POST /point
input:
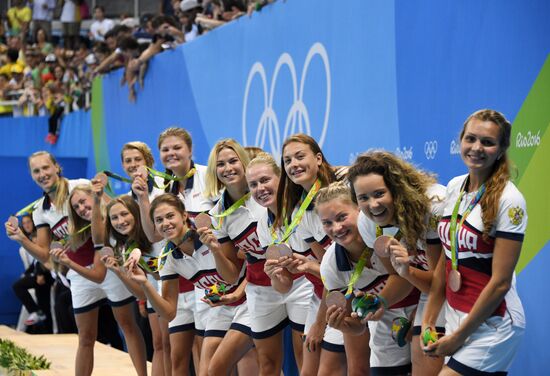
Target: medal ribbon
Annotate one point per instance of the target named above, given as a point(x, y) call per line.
point(300, 213)
point(154, 264)
point(117, 177)
point(454, 227)
point(164, 175)
point(27, 209)
point(380, 232)
point(357, 271)
point(230, 210)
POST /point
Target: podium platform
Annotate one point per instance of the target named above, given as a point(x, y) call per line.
point(60, 350)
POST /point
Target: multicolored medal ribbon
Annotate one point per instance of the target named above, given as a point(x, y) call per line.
point(154, 264)
point(170, 178)
point(28, 209)
point(357, 272)
point(300, 213)
point(240, 202)
point(454, 278)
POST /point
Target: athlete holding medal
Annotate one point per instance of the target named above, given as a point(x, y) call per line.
point(91, 284)
point(305, 172)
point(350, 267)
point(275, 296)
point(400, 207)
point(482, 231)
point(234, 219)
point(134, 156)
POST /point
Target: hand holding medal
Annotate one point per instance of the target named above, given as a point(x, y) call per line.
point(203, 220)
point(381, 246)
point(276, 251)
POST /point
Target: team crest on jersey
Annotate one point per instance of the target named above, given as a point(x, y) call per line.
point(516, 215)
point(434, 220)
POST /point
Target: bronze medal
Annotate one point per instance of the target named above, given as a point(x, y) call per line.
point(107, 251)
point(454, 280)
point(381, 246)
point(102, 178)
point(275, 251)
point(56, 245)
point(203, 220)
point(336, 298)
point(14, 221)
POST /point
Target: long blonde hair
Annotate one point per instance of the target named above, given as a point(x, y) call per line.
point(77, 223)
point(213, 185)
point(500, 175)
point(62, 187)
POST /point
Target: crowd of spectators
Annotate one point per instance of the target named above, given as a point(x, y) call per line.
point(48, 72)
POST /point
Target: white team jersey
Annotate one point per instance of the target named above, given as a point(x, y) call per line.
point(240, 228)
point(200, 269)
point(310, 228)
point(267, 235)
point(367, 228)
point(47, 215)
point(337, 269)
point(475, 254)
point(192, 196)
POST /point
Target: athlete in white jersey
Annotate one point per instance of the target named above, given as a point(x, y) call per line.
point(305, 170)
point(482, 231)
point(234, 220)
point(350, 267)
point(134, 155)
point(404, 203)
point(277, 298)
point(91, 284)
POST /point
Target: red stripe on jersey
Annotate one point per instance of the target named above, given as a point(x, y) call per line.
point(472, 283)
point(318, 286)
point(255, 274)
point(470, 239)
point(185, 285)
point(409, 300)
point(248, 241)
point(61, 229)
point(84, 255)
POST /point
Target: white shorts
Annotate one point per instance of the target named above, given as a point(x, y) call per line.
point(202, 311)
point(385, 355)
point(417, 326)
point(223, 318)
point(270, 311)
point(333, 340)
point(185, 316)
point(491, 348)
point(87, 295)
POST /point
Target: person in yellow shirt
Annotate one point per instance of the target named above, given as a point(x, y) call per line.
point(19, 17)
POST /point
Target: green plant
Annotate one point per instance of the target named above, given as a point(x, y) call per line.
point(14, 357)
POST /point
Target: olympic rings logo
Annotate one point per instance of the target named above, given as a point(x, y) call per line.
point(297, 120)
point(430, 149)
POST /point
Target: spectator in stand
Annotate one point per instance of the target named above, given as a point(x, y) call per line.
point(5, 110)
point(101, 25)
point(42, 16)
point(19, 18)
point(12, 60)
point(36, 277)
point(41, 41)
point(70, 21)
point(187, 15)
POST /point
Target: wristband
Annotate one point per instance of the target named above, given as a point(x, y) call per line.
point(141, 302)
point(383, 301)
